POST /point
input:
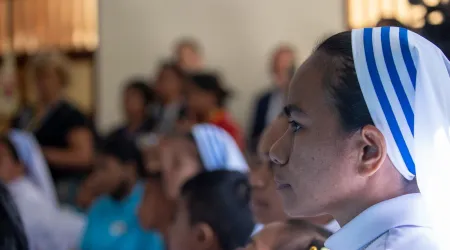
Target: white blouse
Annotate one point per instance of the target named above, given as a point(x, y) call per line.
point(46, 226)
point(397, 224)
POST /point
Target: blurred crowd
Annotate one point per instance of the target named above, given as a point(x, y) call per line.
point(178, 174)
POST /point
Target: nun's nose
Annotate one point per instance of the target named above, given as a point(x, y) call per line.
point(280, 150)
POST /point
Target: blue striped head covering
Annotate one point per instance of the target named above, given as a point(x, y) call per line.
point(217, 149)
point(31, 157)
point(405, 80)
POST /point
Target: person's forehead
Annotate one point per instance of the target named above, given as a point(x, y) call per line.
point(307, 85)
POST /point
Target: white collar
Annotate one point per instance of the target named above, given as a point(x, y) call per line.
point(406, 210)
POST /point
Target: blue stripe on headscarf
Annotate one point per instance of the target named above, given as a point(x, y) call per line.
point(395, 78)
point(384, 101)
point(407, 57)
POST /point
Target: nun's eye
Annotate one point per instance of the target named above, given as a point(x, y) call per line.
point(295, 126)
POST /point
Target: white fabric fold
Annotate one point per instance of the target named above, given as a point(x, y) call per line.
point(405, 80)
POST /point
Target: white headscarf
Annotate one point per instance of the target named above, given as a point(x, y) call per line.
point(405, 80)
point(217, 149)
point(30, 155)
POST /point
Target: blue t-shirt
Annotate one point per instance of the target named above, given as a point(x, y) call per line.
point(114, 225)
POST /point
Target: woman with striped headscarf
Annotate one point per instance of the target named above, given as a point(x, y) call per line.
point(369, 140)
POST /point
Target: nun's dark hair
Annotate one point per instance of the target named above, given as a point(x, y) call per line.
point(341, 82)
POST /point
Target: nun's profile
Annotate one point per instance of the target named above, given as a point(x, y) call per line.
point(369, 140)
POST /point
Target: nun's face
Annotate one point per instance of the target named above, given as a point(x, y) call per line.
point(180, 162)
point(313, 157)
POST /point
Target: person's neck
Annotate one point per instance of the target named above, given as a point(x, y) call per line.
point(135, 122)
point(377, 190)
point(49, 101)
point(124, 190)
point(171, 99)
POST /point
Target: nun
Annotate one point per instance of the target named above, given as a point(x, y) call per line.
point(26, 175)
point(369, 140)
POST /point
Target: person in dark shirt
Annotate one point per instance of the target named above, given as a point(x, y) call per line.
point(61, 129)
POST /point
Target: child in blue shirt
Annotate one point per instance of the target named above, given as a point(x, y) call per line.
point(112, 219)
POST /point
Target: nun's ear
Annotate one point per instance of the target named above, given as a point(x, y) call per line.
point(372, 151)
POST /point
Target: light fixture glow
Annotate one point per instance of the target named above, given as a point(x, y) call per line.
point(431, 3)
point(436, 17)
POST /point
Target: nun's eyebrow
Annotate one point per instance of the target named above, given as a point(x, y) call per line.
point(291, 108)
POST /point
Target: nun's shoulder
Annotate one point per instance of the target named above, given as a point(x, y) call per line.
point(405, 237)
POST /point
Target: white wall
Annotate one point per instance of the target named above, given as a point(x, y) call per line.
point(237, 36)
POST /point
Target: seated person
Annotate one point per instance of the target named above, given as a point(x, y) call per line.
point(293, 234)
point(46, 225)
point(207, 102)
point(205, 148)
point(137, 97)
point(156, 210)
point(213, 213)
point(112, 219)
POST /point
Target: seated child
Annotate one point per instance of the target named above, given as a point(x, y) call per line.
point(112, 219)
point(213, 213)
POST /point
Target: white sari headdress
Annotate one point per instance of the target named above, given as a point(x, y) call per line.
point(405, 80)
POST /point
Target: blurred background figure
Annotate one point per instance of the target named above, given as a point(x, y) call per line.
point(112, 218)
point(207, 99)
point(157, 210)
point(270, 103)
point(169, 88)
point(49, 228)
point(137, 97)
point(188, 55)
point(61, 129)
point(213, 213)
point(205, 148)
point(291, 234)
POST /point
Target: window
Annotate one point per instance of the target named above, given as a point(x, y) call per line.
point(366, 13)
point(65, 24)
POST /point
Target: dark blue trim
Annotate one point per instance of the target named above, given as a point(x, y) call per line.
point(395, 78)
point(407, 57)
point(384, 101)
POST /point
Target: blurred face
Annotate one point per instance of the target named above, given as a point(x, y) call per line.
point(155, 210)
point(188, 59)
point(109, 173)
point(168, 84)
point(48, 84)
point(134, 103)
point(266, 203)
point(313, 157)
point(284, 61)
point(8, 167)
point(180, 162)
point(200, 100)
